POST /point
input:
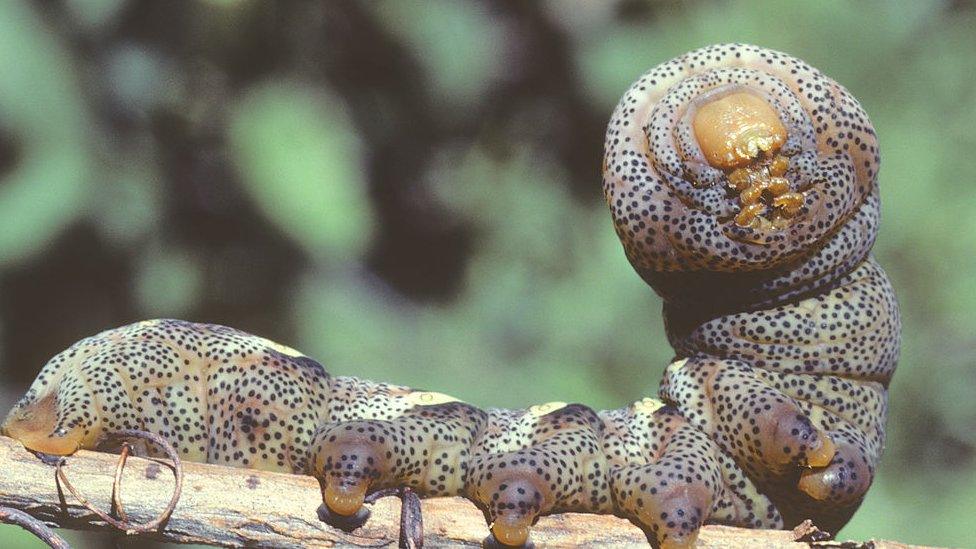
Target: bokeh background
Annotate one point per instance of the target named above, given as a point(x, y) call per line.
point(410, 191)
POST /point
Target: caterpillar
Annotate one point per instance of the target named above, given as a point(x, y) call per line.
point(742, 183)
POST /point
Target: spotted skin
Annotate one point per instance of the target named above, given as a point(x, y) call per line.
point(787, 336)
point(785, 329)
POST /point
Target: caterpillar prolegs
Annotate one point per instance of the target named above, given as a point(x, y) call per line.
point(743, 185)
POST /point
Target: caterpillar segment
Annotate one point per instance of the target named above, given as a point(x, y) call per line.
point(743, 185)
point(426, 448)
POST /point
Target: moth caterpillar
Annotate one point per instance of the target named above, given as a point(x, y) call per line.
point(743, 185)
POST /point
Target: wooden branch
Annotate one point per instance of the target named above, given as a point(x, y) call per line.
point(235, 507)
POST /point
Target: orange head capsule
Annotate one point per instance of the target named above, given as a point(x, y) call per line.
point(733, 130)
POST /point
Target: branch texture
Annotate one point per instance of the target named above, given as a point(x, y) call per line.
point(235, 507)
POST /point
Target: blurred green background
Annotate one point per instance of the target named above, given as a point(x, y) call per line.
point(410, 191)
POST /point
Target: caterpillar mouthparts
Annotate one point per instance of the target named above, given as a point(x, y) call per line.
point(733, 129)
point(741, 134)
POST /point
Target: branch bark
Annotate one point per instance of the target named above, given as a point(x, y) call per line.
point(235, 507)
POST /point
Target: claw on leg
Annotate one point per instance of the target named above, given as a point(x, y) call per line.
point(845, 478)
point(672, 517)
point(344, 500)
point(420, 453)
point(766, 430)
point(841, 470)
point(672, 496)
point(511, 491)
point(349, 458)
point(794, 440)
point(811, 457)
point(511, 535)
point(517, 505)
point(556, 465)
point(823, 454)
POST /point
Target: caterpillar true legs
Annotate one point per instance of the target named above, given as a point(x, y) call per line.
point(742, 183)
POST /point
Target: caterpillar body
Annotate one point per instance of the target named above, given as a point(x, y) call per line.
point(743, 185)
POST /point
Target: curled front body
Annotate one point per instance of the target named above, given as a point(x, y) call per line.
point(756, 231)
point(743, 186)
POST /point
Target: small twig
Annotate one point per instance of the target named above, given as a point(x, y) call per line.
point(117, 483)
point(411, 516)
point(124, 524)
point(34, 526)
point(411, 520)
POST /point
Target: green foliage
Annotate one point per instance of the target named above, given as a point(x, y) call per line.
point(40, 102)
point(168, 282)
point(458, 43)
point(331, 142)
point(300, 160)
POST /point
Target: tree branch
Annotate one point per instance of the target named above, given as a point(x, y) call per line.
point(235, 507)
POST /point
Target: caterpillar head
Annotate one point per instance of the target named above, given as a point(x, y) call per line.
point(734, 158)
point(58, 414)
